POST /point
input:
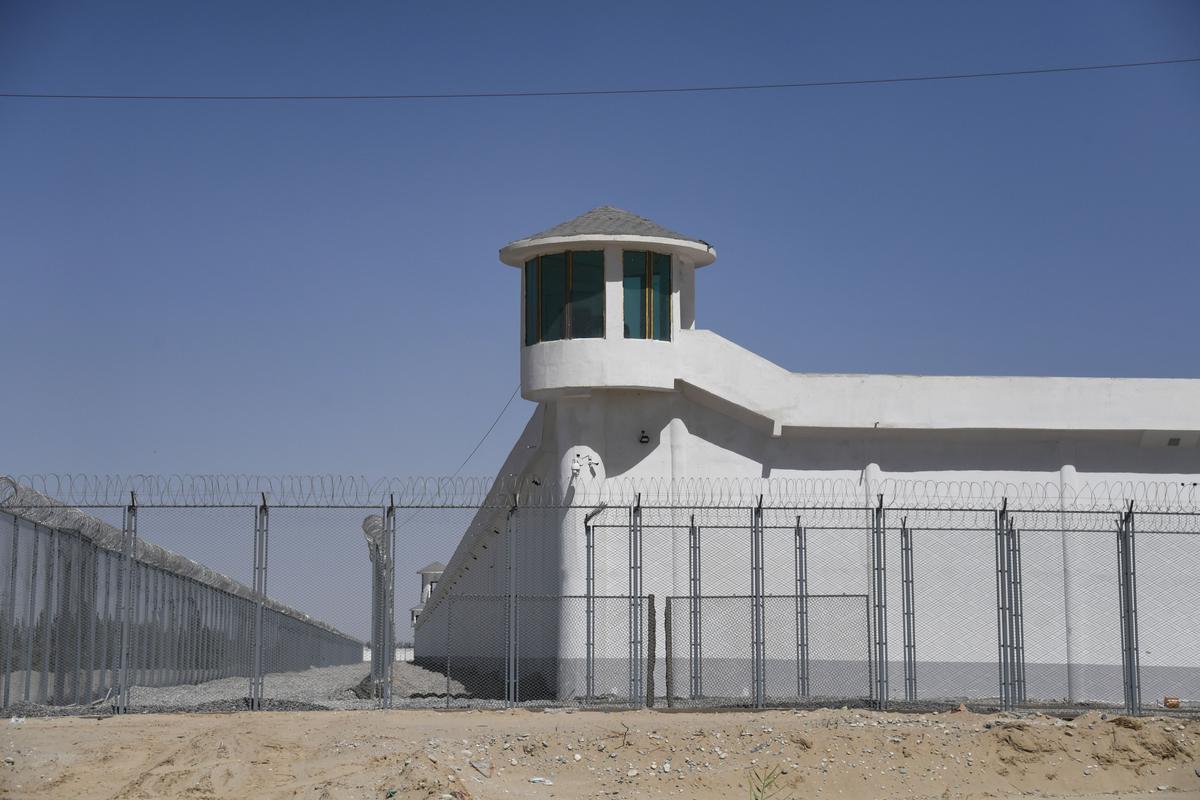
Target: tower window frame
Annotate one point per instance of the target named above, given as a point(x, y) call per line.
point(646, 288)
point(539, 326)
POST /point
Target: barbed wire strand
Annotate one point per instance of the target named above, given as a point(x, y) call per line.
point(357, 491)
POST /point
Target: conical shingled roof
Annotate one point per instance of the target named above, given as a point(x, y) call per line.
point(609, 224)
point(610, 221)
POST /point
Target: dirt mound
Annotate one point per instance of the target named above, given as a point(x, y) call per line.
point(433, 755)
point(1027, 742)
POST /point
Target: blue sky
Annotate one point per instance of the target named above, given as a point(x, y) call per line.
point(313, 287)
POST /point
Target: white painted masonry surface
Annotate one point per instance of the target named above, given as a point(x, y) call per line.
point(613, 411)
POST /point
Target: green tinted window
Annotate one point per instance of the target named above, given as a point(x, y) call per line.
point(587, 294)
point(531, 302)
point(647, 289)
point(660, 297)
point(553, 296)
point(634, 290)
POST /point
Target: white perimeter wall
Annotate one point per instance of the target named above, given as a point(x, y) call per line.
point(1069, 578)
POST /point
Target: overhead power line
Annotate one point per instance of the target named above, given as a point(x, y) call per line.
point(735, 87)
point(470, 455)
point(487, 433)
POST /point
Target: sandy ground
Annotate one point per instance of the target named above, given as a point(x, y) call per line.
point(592, 754)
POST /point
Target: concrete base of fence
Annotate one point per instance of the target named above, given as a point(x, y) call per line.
point(728, 680)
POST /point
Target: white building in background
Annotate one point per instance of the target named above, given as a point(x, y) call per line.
point(430, 574)
point(629, 388)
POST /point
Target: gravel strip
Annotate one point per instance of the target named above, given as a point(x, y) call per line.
point(411, 681)
point(315, 689)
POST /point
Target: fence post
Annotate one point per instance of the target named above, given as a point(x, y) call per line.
point(695, 628)
point(64, 623)
point(1127, 584)
point(1010, 615)
point(1018, 613)
point(125, 588)
point(636, 656)
point(801, 565)
point(44, 690)
point(879, 590)
point(79, 576)
point(10, 607)
point(150, 627)
point(651, 650)
point(589, 530)
point(31, 622)
point(261, 519)
point(104, 626)
point(449, 639)
point(909, 611)
point(758, 638)
point(156, 625)
point(141, 605)
point(589, 613)
point(1002, 604)
point(374, 547)
point(187, 628)
point(669, 651)
point(511, 666)
point(93, 561)
point(389, 538)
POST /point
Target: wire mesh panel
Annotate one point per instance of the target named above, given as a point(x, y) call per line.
point(954, 594)
point(189, 644)
point(554, 662)
point(9, 641)
point(37, 659)
point(726, 557)
point(82, 615)
point(57, 623)
point(838, 652)
point(423, 535)
point(77, 611)
point(666, 569)
point(23, 657)
point(1044, 607)
point(1090, 582)
point(726, 662)
point(1168, 610)
point(611, 664)
point(551, 658)
point(107, 632)
point(476, 663)
point(838, 549)
point(305, 659)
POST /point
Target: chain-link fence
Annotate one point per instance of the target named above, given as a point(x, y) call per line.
point(815, 651)
point(629, 596)
point(94, 615)
point(566, 650)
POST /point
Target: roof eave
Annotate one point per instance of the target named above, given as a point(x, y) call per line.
point(699, 254)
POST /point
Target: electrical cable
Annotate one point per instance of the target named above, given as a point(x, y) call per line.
point(737, 87)
point(471, 454)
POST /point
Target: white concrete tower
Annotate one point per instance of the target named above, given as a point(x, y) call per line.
point(604, 296)
point(604, 299)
